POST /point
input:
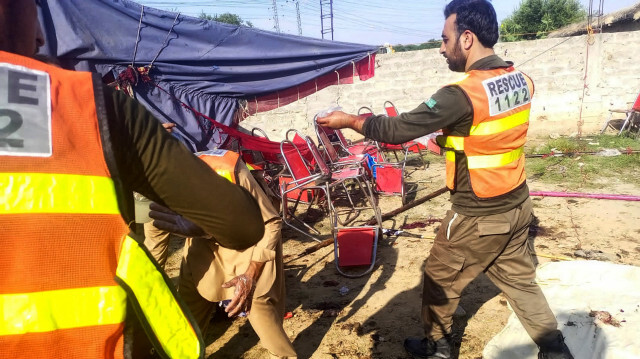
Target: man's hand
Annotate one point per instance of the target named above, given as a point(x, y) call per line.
point(169, 126)
point(170, 221)
point(339, 119)
point(241, 302)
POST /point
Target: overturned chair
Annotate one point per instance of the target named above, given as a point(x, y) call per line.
point(355, 248)
point(323, 183)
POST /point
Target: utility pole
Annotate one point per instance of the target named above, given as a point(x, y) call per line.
point(299, 22)
point(326, 12)
point(275, 17)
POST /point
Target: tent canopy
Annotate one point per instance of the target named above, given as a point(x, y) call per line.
point(203, 64)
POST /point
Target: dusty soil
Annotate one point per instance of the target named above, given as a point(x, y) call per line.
point(369, 317)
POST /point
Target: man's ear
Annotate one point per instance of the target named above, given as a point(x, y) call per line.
point(466, 39)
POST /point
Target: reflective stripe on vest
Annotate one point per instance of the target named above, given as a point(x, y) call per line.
point(488, 161)
point(56, 193)
point(161, 310)
point(496, 137)
point(61, 309)
point(60, 200)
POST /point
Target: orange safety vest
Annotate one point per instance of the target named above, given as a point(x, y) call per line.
point(68, 267)
point(222, 161)
point(494, 147)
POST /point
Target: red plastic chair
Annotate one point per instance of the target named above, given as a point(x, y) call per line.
point(321, 186)
point(340, 143)
point(355, 247)
point(267, 165)
point(298, 139)
point(302, 180)
point(413, 146)
point(341, 175)
point(389, 179)
point(332, 155)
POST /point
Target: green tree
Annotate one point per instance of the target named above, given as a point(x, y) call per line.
point(227, 18)
point(533, 19)
point(433, 43)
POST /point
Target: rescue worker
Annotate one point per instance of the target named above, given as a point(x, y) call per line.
point(484, 117)
point(252, 279)
point(71, 152)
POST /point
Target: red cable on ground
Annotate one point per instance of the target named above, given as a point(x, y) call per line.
point(620, 197)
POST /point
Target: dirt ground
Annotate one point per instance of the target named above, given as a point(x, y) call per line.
point(369, 317)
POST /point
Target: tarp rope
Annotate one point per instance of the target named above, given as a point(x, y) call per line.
point(246, 141)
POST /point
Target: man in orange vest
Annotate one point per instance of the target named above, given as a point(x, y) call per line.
point(71, 153)
point(484, 117)
point(250, 280)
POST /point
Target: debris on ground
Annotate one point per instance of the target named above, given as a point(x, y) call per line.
point(604, 317)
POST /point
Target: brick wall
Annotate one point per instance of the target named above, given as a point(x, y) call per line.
point(557, 67)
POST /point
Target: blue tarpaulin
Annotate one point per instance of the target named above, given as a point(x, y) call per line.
point(203, 64)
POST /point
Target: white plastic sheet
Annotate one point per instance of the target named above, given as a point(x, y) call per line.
point(575, 289)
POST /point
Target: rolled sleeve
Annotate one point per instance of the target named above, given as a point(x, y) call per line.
point(152, 162)
point(447, 106)
point(265, 249)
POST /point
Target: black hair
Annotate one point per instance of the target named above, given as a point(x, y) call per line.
point(477, 16)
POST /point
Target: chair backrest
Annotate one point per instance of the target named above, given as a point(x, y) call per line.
point(390, 109)
point(264, 156)
point(389, 178)
point(315, 152)
point(260, 131)
point(342, 139)
point(327, 145)
point(365, 111)
point(355, 245)
point(294, 161)
point(299, 141)
point(636, 105)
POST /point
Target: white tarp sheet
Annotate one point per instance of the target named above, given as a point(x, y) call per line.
point(574, 289)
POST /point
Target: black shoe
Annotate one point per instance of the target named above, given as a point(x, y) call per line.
point(556, 349)
point(426, 348)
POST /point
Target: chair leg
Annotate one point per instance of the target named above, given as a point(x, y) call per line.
point(353, 212)
point(606, 124)
point(626, 122)
point(372, 201)
point(424, 163)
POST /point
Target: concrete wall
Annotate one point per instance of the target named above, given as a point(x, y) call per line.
point(557, 67)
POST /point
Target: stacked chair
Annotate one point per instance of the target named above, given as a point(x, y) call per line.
point(388, 177)
point(354, 247)
point(413, 146)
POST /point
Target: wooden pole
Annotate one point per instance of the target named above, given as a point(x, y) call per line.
point(327, 242)
point(313, 248)
point(410, 205)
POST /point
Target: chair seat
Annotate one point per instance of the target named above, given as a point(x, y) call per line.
point(346, 173)
point(362, 149)
point(355, 247)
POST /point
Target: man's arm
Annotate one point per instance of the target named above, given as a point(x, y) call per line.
point(263, 252)
point(339, 120)
point(153, 163)
point(447, 106)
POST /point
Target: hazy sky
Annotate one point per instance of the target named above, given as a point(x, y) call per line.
point(370, 22)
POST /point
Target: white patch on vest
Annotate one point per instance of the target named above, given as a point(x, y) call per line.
point(506, 92)
point(25, 112)
point(215, 152)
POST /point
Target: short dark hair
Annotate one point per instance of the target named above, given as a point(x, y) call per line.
point(477, 16)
